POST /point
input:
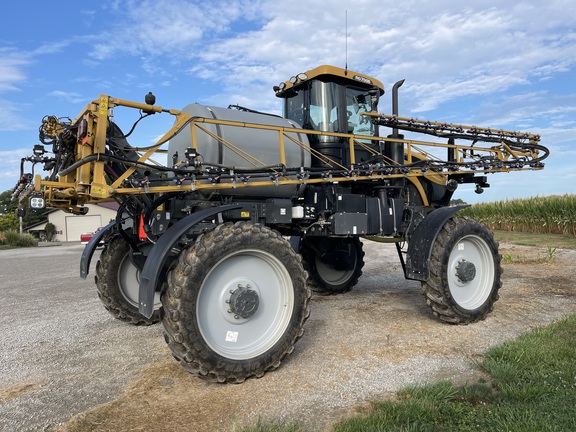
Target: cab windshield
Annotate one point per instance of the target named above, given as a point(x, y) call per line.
point(324, 107)
point(331, 107)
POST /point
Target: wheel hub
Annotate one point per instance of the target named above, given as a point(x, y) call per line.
point(243, 302)
point(465, 271)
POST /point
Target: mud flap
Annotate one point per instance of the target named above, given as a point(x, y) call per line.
point(88, 251)
point(160, 252)
point(421, 241)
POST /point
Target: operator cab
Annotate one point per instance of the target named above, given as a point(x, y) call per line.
point(331, 99)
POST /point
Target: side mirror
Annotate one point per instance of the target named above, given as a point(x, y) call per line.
point(374, 99)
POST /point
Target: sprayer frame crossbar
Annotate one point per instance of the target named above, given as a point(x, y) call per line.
point(85, 180)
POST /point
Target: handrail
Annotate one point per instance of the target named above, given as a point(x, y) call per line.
point(85, 180)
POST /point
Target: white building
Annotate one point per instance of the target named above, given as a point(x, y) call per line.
point(69, 226)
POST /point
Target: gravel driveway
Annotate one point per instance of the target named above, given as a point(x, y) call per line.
point(62, 355)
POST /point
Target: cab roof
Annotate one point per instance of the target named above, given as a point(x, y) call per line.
point(326, 72)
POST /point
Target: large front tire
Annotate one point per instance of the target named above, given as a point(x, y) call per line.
point(465, 272)
point(118, 280)
point(236, 303)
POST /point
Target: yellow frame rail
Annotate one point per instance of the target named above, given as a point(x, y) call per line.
point(88, 183)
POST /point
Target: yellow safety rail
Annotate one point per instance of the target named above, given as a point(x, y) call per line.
point(85, 181)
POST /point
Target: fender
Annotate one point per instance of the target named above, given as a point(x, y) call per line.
point(160, 251)
point(88, 251)
point(422, 240)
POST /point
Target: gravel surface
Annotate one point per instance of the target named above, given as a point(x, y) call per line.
point(60, 351)
point(62, 356)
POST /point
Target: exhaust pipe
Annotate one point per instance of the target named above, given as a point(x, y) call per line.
point(395, 88)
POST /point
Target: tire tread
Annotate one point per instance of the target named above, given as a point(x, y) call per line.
point(106, 280)
point(436, 291)
point(181, 334)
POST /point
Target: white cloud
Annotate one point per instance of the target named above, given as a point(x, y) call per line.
point(12, 117)
point(50, 48)
point(452, 53)
point(10, 163)
point(13, 156)
point(168, 27)
point(12, 63)
point(71, 97)
point(445, 50)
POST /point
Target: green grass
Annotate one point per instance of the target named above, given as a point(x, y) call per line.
point(562, 241)
point(12, 239)
point(275, 426)
point(532, 387)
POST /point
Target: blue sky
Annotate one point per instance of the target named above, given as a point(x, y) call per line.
point(509, 65)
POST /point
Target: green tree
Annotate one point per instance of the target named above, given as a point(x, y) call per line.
point(8, 206)
point(33, 216)
point(9, 222)
point(50, 231)
point(457, 201)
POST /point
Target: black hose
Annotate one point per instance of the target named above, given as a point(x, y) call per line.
point(153, 206)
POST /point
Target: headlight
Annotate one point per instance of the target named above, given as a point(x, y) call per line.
point(37, 202)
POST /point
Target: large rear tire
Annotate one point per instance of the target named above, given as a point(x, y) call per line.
point(236, 303)
point(465, 272)
point(118, 281)
point(334, 264)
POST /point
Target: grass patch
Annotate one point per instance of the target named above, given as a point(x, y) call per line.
point(546, 246)
point(274, 426)
point(11, 239)
point(531, 384)
point(532, 388)
point(562, 241)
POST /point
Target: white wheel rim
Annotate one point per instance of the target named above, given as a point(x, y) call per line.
point(331, 275)
point(225, 332)
point(471, 294)
point(129, 280)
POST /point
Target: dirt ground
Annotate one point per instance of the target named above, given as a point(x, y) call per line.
point(359, 346)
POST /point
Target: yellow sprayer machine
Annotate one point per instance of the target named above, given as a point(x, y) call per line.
point(225, 240)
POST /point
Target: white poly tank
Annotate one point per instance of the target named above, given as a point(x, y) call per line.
point(260, 143)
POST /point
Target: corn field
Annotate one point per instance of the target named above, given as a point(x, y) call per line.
point(554, 214)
